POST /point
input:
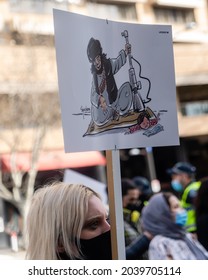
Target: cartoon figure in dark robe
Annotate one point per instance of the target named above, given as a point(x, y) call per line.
point(108, 102)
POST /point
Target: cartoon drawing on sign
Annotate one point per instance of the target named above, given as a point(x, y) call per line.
point(116, 107)
point(108, 102)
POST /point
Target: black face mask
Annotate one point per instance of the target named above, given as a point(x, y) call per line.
point(97, 248)
point(133, 207)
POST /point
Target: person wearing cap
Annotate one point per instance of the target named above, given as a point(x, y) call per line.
point(184, 183)
point(105, 95)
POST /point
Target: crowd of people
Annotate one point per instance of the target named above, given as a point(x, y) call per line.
point(70, 222)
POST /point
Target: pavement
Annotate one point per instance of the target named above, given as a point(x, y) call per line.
point(9, 254)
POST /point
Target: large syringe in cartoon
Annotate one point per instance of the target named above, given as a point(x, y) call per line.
point(136, 85)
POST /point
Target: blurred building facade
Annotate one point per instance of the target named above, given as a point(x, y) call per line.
point(28, 73)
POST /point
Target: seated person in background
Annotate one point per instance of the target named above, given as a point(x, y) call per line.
point(67, 222)
point(164, 218)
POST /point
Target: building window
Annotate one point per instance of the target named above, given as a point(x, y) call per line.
point(174, 15)
point(124, 11)
point(37, 6)
point(194, 108)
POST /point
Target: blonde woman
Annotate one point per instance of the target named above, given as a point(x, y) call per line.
point(67, 221)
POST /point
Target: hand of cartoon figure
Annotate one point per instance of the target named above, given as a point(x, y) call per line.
point(103, 103)
point(128, 48)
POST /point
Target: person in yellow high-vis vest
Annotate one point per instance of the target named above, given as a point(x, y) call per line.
point(184, 183)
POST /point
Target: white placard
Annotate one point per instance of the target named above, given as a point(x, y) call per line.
point(73, 177)
point(95, 116)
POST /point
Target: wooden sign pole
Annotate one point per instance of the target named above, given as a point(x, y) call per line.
point(115, 205)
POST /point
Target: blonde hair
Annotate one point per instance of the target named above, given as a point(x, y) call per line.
point(56, 217)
